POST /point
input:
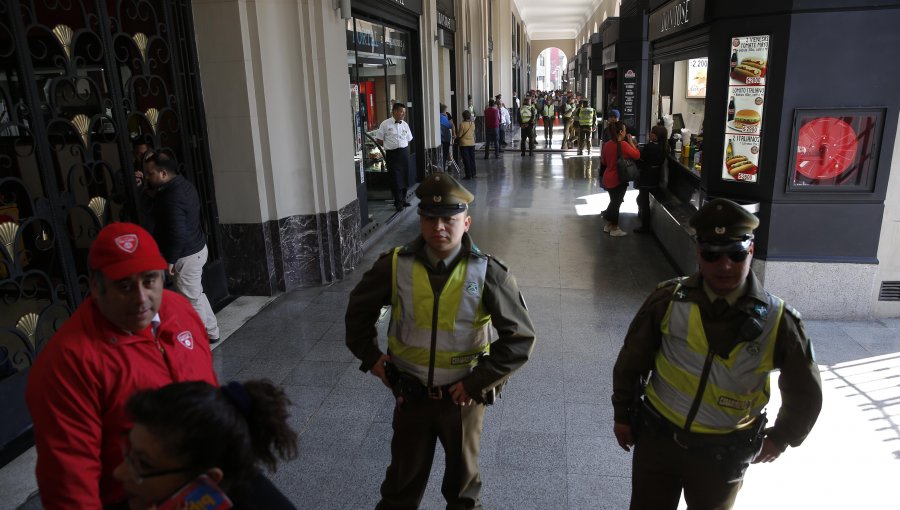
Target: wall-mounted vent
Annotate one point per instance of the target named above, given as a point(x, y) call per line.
point(890, 291)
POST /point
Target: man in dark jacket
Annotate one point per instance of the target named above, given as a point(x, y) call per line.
point(178, 231)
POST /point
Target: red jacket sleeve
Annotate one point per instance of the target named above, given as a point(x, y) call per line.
point(66, 413)
point(629, 152)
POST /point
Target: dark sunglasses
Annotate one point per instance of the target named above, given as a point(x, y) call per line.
point(734, 255)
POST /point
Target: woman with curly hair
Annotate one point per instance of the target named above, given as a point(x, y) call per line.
point(184, 430)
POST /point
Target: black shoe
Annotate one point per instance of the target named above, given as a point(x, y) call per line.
point(213, 341)
point(642, 230)
point(523, 154)
point(406, 204)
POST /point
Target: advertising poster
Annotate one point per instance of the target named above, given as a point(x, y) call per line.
point(746, 102)
point(696, 76)
point(629, 83)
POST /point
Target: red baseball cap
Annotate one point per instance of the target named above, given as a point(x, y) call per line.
point(124, 249)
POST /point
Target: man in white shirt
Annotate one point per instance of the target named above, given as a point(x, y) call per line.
point(394, 135)
point(504, 123)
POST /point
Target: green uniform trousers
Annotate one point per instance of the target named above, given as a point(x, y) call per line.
point(417, 427)
point(527, 133)
point(567, 133)
point(661, 469)
point(584, 138)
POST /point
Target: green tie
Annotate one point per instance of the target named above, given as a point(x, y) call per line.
point(720, 307)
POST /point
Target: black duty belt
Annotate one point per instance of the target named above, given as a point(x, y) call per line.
point(657, 423)
point(411, 388)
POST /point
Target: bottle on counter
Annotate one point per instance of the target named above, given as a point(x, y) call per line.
point(678, 147)
point(731, 109)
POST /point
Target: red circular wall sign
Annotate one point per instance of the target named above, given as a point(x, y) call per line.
point(826, 147)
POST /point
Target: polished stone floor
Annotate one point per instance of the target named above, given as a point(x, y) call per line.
point(548, 443)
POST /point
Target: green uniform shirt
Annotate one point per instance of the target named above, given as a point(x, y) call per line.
point(800, 383)
point(501, 298)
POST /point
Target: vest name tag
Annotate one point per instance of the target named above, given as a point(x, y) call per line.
point(741, 405)
point(463, 360)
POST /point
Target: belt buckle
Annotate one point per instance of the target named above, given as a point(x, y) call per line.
point(435, 393)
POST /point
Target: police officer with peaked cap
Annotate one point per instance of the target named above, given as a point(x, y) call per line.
point(708, 343)
point(458, 328)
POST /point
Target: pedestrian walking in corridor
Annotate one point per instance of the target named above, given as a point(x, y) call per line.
point(710, 342)
point(625, 148)
point(466, 137)
point(447, 297)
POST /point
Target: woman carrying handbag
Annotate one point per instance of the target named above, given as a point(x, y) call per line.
point(622, 147)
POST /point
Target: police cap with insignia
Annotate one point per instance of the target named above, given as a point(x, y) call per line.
point(442, 195)
point(722, 225)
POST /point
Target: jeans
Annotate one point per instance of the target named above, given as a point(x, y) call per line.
point(493, 135)
point(616, 197)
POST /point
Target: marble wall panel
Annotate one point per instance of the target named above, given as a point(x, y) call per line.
point(249, 266)
point(297, 251)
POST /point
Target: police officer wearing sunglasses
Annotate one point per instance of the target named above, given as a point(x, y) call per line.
point(691, 382)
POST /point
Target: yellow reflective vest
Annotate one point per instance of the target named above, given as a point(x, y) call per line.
point(526, 113)
point(736, 389)
point(549, 110)
point(586, 117)
point(454, 321)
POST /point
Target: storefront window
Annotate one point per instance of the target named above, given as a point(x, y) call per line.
point(379, 70)
point(835, 150)
point(678, 97)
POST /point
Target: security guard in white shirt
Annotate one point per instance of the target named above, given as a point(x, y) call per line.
point(394, 135)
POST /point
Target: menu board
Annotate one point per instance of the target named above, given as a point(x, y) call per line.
point(746, 101)
point(629, 82)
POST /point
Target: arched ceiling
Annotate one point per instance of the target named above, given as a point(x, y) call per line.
point(556, 19)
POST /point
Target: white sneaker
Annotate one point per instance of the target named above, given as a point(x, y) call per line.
point(607, 228)
point(618, 232)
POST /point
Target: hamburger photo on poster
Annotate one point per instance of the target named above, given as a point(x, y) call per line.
point(746, 101)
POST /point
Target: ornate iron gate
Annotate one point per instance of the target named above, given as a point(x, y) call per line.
point(81, 81)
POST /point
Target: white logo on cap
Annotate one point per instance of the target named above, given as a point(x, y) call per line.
point(437, 177)
point(437, 198)
point(127, 243)
point(720, 230)
point(186, 339)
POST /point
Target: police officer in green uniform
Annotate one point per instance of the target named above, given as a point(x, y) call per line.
point(587, 124)
point(548, 112)
point(709, 342)
point(527, 117)
point(458, 329)
point(568, 112)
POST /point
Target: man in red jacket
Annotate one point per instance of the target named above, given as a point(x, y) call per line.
point(128, 335)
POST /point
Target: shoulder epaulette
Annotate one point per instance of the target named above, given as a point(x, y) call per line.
point(499, 262)
point(669, 283)
point(793, 311)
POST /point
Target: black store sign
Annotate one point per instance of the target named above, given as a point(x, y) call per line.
point(445, 17)
point(676, 16)
point(411, 5)
point(629, 83)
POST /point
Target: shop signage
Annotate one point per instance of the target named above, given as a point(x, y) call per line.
point(676, 16)
point(411, 5)
point(445, 21)
point(629, 82)
point(609, 54)
point(746, 101)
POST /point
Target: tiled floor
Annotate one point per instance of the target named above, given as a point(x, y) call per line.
point(548, 443)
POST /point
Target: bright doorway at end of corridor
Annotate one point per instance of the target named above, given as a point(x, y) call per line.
point(551, 70)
